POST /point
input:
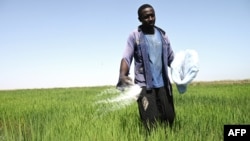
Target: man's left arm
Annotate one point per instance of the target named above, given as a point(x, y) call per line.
point(170, 52)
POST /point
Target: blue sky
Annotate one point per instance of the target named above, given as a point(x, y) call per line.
point(71, 43)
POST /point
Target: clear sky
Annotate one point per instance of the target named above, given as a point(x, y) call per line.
point(71, 43)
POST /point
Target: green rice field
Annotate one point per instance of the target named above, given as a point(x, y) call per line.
point(72, 114)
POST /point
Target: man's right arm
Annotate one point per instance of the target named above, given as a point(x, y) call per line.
point(124, 80)
point(124, 72)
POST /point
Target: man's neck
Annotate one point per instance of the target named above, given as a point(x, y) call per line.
point(148, 29)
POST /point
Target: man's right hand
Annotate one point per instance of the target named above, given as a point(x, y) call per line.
point(124, 81)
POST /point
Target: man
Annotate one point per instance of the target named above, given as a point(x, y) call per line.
point(150, 48)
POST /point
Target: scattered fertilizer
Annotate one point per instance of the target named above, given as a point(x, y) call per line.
point(119, 99)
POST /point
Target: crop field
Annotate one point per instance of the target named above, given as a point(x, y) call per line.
point(73, 114)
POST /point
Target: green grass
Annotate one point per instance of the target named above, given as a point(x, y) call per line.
point(71, 114)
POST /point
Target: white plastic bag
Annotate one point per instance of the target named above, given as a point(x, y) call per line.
point(184, 69)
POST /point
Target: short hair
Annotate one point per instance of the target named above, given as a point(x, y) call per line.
point(143, 7)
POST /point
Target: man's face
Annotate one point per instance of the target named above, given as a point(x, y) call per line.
point(147, 17)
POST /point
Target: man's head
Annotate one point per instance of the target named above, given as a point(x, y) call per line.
point(146, 15)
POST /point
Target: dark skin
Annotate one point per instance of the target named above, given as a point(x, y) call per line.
point(147, 18)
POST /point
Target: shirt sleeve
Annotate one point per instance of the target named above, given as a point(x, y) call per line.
point(129, 49)
point(170, 51)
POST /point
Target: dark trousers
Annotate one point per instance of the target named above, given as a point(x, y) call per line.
point(156, 105)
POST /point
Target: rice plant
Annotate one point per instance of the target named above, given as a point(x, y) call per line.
point(73, 114)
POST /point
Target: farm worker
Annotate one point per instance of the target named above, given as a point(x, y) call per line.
point(150, 48)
